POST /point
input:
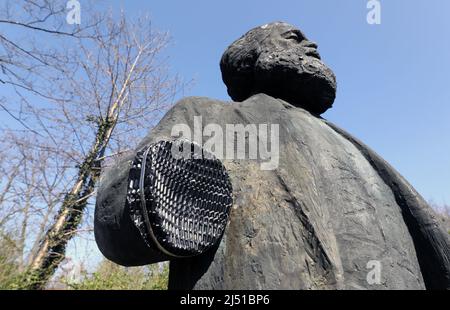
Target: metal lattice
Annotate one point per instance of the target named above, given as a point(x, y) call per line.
point(180, 205)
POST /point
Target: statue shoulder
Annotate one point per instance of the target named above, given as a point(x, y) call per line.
point(197, 104)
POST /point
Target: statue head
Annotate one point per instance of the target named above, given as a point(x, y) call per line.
point(278, 60)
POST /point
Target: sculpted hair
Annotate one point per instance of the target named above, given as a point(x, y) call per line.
point(238, 64)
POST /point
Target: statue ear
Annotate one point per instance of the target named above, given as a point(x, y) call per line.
point(172, 201)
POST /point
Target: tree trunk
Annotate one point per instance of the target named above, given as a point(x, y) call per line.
point(52, 248)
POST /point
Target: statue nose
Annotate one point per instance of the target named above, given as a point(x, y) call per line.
point(310, 44)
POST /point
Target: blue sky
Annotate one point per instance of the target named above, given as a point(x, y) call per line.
point(393, 78)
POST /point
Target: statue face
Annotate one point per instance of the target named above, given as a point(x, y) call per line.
point(277, 59)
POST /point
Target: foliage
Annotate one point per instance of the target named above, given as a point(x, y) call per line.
point(110, 276)
point(8, 266)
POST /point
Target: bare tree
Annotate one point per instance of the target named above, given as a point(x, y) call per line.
point(97, 93)
point(25, 58)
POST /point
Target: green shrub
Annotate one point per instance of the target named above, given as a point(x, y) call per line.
point(10, 277)
point(110, 276)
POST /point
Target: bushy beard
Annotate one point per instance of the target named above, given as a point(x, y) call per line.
point(303, 81)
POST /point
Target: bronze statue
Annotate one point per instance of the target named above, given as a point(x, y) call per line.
point(321, 219)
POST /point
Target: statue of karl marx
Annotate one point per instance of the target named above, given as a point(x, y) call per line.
point(332, 214)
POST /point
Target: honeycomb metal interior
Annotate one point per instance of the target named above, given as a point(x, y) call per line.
point(181, 205)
